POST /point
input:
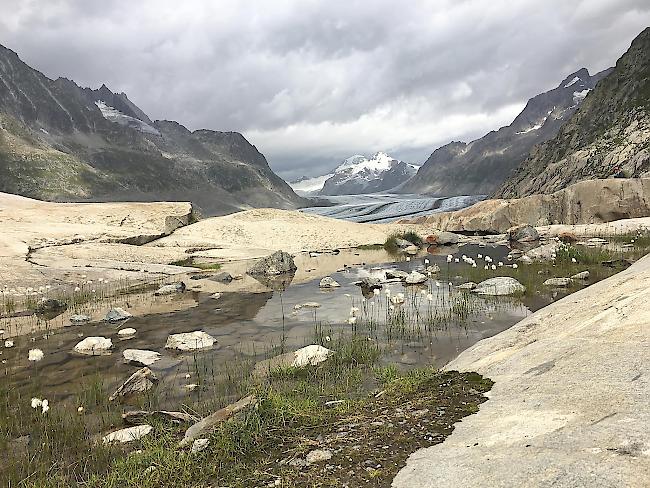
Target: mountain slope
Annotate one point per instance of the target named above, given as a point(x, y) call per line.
point(482, 165)
point(62, 142)
point(609, 134)
point(358, 174)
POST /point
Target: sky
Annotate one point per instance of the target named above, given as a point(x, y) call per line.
point(311, 82)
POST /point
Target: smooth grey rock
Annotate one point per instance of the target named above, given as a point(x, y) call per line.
point(93, 346)
point(139, 382)
point(117, 314)
point(412, 250)
point(396, 274)
point(328, 282)
point(141, 357)
point(558, 282)
point(415, 278)
point(545, 252)
point(190, 341)
point(370, 283)
point(177, 287)
point(223, 277)
point(127, 435)
point(501, 285)
point(470, 285)
point(442, 238)
point(77, 319)
point(278, 263)
point(318, 456)
point(522, 233)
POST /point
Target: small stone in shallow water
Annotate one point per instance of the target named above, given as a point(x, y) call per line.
point(141, 356)
point(501, 285)
point(309, 305)
point(560, 282)
point(190, 341)
point(178, 287)
point(126, 332)
point(328, 282)
point(117, 314)
point(583, 275)
point(94, 345)
point(79, 319)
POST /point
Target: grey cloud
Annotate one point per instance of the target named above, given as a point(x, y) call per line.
point(297, 77)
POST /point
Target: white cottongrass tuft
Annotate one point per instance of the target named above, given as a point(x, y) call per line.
point(515, 266)
point(35, 355)
point(9, 343)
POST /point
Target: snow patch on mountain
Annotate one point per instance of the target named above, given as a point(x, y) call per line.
point(572, 82)
point(579, 96)
point(114, 115)
point(310, 185)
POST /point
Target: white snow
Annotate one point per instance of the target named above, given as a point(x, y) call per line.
point(572, 82)
point(114, 115)
point(578, 96)
point(534, 127)
point(380, 162)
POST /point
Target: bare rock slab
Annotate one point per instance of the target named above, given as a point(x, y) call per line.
point(501, 285)
point(93, 346)
point(139, 382)
point(190, 341)
point(141, 357)
point(129, 434)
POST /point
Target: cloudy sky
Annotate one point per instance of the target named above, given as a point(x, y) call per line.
point(310, 82)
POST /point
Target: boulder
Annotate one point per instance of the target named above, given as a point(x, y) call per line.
point(403, 243)
point(501, 285)
point(117, 314)
point(139, 382)
point(310, 355)
point(223, 277)
point(126, 333)
point(190, 341)
point(141, 357)
point(415, 278)
point(583, 275)
point(370, 283)
point(412, 250)
point(558, 282)
point(442, 238)
point(93, 346)
point(433, 269)
point(177, 287)
point(328, 282)
point(277, 263)
point(545, 252)
point(396, 274)
point(522, 233)
point(127, 435)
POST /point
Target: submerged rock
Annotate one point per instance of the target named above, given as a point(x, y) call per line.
point(94, 346)
point(141, 357)
point(117, 314)
point(190, 341)
point(522, 233)
point(139, 382)
point(415, 278)
point(470, 285)
point(442, 238)
point(559, 282)
point(370, 283)
point(328, 282)
point(279, 262)
point(396, 274)
point(128, 435)
point(501, 285)
point(178, 287)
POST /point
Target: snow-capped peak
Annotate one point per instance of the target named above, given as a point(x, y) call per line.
point(358, 163)
point(114, 115)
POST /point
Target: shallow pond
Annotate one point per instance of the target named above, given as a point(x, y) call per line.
point(433, 325)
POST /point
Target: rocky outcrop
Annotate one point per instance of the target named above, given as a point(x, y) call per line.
point(609, 135)
point(481, 166)
point(569, 404)
point(587, 202)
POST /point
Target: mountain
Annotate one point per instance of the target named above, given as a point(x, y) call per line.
point(478, 168)
point(59, 141)
point(610, 133)
point(358, 174)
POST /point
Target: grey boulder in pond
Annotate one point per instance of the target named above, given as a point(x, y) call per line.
point(501, 285)
point(190, 341)
point(117, 314)
point(92, 346)
point(523, 233)
point(278, 263)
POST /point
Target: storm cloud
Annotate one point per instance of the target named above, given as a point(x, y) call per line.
point(310, 82)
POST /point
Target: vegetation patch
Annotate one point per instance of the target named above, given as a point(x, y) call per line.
point(391, 242)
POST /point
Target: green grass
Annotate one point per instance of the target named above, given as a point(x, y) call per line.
point(391, 242)
point(370, 247)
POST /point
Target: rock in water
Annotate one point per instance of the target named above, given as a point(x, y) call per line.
point(190, 341)
point(502, 285)
point(412, 250)
point(277, 263)
point(433, 269)
point(583, 275)
point(141, 357)
point(79, 319)
point(310, 355)
point(403, 243)
point(470, 285)
point(543, 253)
point(442, 238)
point(415, 278)
point(128, 435)
point(370, 284)
point(117, 314)
point(329, 282)
point(223, 277)
point(178, 287)
point(140, 381)
point(396, 274)
point(94, 346)
point(523, 233)
point(559, 282)
point(126, 333)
